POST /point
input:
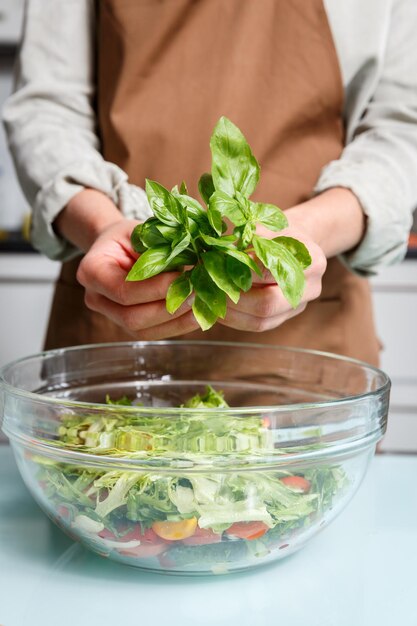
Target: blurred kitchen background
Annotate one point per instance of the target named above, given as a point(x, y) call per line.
point(26, 278)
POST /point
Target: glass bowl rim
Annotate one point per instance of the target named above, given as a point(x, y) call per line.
point(168, 411)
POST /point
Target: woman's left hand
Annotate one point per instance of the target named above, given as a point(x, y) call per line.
point(264, 306)
point(328, 224)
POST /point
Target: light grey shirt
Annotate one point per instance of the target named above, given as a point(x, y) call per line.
point(51, 122)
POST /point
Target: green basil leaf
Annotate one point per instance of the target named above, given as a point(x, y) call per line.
point(238, 230)
point(208, 291)
point(178, 247)
point(150, 263)
point(136, 239)
point(234, 168)
point(206, 187)
point(178, 237)
point(193, 205)
point(169, 233)
point(203, 314)
point(245, 206)
point(186, 257)
point(147, 235)
point(296, 248)
point(215, 264)
point(283, 266)
point(221, 242)
point(244, 258)
point(215, 219)
point(247, 234)
point(165, 205)
point(228, 207)
point(239, 273)
point(198, 226)
point(178, 292)
point(197, 218)
point(270, 216)
point(183, 188)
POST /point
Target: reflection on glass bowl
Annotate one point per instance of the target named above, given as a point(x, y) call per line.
point(193, 457)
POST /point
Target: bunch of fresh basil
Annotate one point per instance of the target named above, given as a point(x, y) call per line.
point(183, 233)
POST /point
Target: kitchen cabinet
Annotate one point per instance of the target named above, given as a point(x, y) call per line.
point(395, 302)
point(26, 290)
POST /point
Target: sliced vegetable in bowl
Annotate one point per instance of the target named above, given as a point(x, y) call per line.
point(166, 476)
point(143, 515)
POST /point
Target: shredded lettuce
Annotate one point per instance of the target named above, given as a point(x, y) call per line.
point(117, 494)
point(122, 433)
point(115, 500)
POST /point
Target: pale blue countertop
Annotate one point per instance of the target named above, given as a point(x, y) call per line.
point(361, 571)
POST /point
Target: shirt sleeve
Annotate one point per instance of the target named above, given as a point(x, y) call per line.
point(379, 162)
point(50, 121)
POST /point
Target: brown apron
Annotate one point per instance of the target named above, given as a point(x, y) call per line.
point(167, 70)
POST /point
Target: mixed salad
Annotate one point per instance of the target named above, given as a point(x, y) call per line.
point(193, 520)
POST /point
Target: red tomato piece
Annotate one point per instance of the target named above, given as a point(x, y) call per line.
point(202, 536)
point(297, 484)
point(146, 535)
point(107, 534)
point(247, 530)
point(150, 544)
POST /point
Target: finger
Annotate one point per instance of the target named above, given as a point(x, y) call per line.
point(267, 301)
point(242, 321)
point(135, 317)
point(318, 264)
point(312, 289)
point(109, 280)
point(180, 326)
point(315, 269)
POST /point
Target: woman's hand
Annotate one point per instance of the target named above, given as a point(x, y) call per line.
point(93, 223)
point(137, 307)
point(264, 306)
point(328, 224)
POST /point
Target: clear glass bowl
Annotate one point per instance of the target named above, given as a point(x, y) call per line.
point(192, 489)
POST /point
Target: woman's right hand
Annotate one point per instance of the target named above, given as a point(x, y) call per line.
point(137, 307)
